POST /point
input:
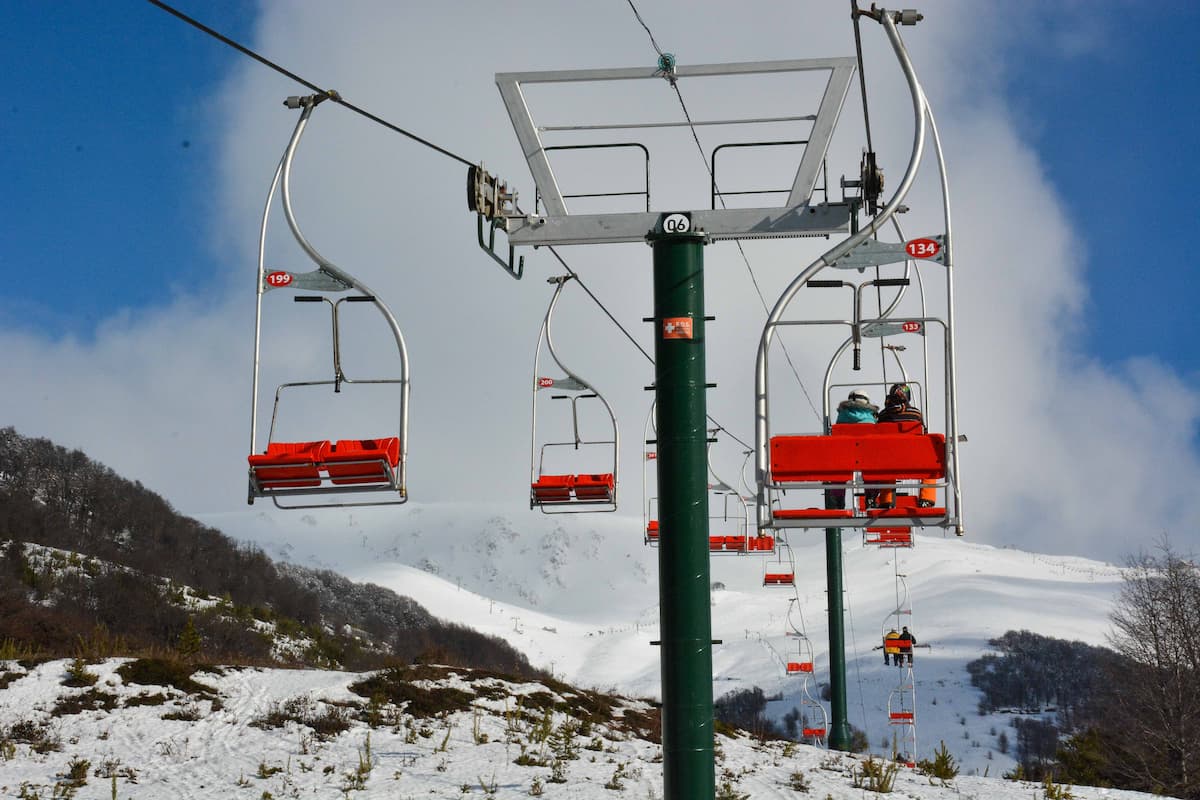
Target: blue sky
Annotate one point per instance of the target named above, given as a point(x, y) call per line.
point(1115, 118)
point(137, 152)
point(107, 154)
point(109, 151)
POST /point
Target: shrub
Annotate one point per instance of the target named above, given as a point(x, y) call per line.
point(78, 675)
point(92, 700)
point(941, 767)
point(395, 685)
point(164, 672)
point(325, 724)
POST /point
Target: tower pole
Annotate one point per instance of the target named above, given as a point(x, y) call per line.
point(683, 557)
point(839, 729)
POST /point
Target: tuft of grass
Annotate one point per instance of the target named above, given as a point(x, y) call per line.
point(76, 774)
point(325, 724)
point(729, 792)
point(876, 775)
point(12, 650)
point(189, 712)
point(797, 782)
point(165, 672)
point(91, 700)
point(8, 677)
point(39, 738)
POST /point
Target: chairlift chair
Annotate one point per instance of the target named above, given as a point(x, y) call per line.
point(576, 490)
point(888, 536)
point(813, 717)
point(729, 514)
point(780, 570)
point(902, 717)
point(650, 479)
point(902, 700)
point(335, 470)
point(804, 465)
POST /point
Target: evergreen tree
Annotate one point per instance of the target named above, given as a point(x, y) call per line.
point(190, 644)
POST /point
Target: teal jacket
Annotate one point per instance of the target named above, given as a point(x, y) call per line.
point(850, 411)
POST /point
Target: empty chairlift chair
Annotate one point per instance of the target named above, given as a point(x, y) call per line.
point(325, 473)
point(551, 489)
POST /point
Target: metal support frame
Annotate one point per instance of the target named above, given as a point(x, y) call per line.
point(796, 217)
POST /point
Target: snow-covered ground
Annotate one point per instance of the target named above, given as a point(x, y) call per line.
point(579, 596)
point(132, 752)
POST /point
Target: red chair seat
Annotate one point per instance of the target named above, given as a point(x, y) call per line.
point(594, 487)
point(355, 461)
point(553, 488)
point(761, 543)
point(289, 465)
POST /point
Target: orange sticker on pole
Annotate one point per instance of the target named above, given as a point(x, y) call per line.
point(677, 328)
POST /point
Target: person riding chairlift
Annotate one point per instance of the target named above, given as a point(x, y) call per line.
point(854, 409)
point(891, 647)
point(906, 641)
point(898, 407)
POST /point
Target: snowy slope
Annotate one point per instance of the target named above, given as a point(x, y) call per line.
point(132, 752)
point(578, 595)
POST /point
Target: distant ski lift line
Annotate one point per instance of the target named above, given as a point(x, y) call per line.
point(698, 123)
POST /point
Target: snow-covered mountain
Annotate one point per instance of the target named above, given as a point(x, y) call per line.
point(578, 595)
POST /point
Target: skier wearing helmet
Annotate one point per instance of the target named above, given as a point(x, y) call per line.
point(856, 408)
point(899, 408)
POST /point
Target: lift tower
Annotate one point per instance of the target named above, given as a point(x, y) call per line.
point(677, 238)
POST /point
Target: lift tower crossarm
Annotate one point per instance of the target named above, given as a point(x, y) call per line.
point(795, 217)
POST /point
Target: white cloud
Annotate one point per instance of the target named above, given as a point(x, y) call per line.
point(1066, 454)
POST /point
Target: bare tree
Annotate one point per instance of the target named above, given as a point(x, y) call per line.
point(1156, 699)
